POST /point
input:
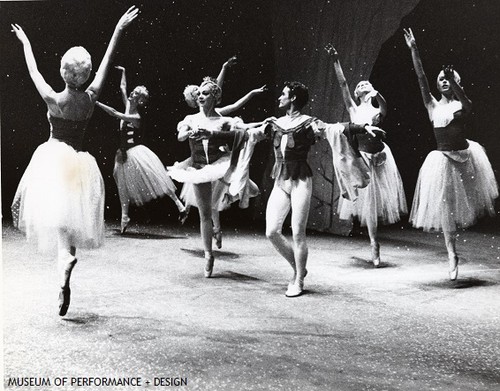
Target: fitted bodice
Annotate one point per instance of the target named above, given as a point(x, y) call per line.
point(68, 131)
point(205, 152)
point(129, 135)
point(370, 115)
point(449, 122)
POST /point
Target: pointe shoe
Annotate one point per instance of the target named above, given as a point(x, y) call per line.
point(293, 281)
point(375, 254)
point(64, 300)
point(183, 215)
point(209, 267)
point(124, 224)
point(65, 293)
point(218, 239)
point(453, 272)
point(295, 290)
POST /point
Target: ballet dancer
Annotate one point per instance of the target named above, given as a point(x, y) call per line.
point(139, 174)
point(383, 200)
point(456, 184)
point(59, 202)
point(293, 135)
point(210, 164)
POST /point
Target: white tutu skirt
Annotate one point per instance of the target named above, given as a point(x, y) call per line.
point(185, 173)
point(383, 200)
point(61, 189)
point(142, 177)
point(454, 189)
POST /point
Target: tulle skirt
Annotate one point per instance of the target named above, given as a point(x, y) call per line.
point(383, 200)
point(454, 189)
point(227, 186)
point(184, 171)
point(61, 189)
point(142, 176)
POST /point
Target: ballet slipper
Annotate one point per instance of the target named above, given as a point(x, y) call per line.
point(218, 238)
point(124, 224)
point(65, 293)
point(209, 266)
point(375, 253)
point(453, 269)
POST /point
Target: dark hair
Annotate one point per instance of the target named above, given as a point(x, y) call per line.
point(300, 91)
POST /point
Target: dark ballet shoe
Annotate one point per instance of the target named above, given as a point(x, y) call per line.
point(218, 239)
point(65, 293)
point(209, 267)
point(64, 300)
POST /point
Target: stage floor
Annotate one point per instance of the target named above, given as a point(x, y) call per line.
point(141, 308)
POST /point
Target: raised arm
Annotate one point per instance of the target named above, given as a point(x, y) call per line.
point(241, 102)
point(222, 74)
point(457, 89)
point(419, 69)
point(96, 86)
point(45, 90)
point(346, 95)
point(123, 85)
point(382, 104)
point(132, 118)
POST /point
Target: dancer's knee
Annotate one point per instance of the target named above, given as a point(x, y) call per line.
point(272, 233)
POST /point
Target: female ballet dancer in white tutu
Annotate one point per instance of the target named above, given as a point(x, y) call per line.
point(293, 135)
point(59, 202)
point(456, 184)
point(210, 166)
point(383, 200)
point(139, 174)
point(191, 98)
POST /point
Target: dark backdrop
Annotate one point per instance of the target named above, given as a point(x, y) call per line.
point(173, 44)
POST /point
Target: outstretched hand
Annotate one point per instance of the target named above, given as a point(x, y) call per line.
point(409, 38)
point(20, 34)
point(270, 120)
point(230, 62)
point(375, 131)
point(449, 73)
point(259, 90)
point(332, 51)
point(127, 17)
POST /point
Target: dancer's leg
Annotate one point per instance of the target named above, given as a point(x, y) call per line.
point(371, 224)
point(124, 199)
point(203, 194)
point(66, 262)
point(177, 201)
point(300, 201)
point(450, 239)
point(217, 228)
point(277, 209)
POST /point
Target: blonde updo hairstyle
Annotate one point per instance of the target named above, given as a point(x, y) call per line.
point(191, 95)
point(215, 90)
point(76, 65)
point(143, 93)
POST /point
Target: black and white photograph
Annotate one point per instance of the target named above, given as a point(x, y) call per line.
point(250, 195)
